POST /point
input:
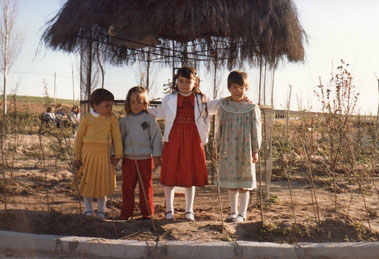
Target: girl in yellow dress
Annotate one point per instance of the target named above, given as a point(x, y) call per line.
point(98, 132)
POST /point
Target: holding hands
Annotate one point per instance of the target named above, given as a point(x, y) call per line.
point(255, 157)
point(77, 164)
point(114, 160)
point(157, 161)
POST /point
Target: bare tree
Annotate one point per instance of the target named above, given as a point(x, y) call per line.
point(101, 66)
point(89, 74)
point(146, 76)
point(10, 42)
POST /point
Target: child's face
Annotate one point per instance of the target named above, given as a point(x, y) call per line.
point(237, 91)
point(185, 85)
point(104, 108)
point(136, 103)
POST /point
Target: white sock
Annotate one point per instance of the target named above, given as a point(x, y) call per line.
point(233, 200)
point(101, 202)
point(190, 196)
point(169, 194)
point(88, 204)
point(244, 203)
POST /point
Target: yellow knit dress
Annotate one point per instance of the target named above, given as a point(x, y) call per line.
point(93, 142)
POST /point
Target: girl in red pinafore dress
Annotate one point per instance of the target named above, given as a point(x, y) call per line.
point(186, 113)
point(184, 163)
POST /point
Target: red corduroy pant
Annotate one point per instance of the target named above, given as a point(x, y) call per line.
point(129, 181)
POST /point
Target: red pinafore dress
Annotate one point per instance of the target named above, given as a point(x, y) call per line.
point(183, 157)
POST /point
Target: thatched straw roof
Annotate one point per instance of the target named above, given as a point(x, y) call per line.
point(234, 30)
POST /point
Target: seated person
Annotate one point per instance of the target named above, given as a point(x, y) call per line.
point(50, 115)
point(61, 117)
point(74, 118)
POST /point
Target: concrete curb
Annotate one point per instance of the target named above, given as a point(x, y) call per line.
point(108, 248)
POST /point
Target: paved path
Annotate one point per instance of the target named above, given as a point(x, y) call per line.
point(23, 245)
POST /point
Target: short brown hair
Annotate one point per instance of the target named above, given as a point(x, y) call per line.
point(239, 78)
point(75, 107)
point(142, 95)
point(100, 95)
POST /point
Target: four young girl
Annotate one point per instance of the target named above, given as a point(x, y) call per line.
point(142, 142)
point(238, 138)
point(98, 132)
point(186, 112)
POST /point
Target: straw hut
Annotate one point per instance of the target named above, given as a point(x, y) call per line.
point(234, 31)
point(217, 32)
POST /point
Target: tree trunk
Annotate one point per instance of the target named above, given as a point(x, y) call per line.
point(148, 72)
point(5, 90)
point(5, 71)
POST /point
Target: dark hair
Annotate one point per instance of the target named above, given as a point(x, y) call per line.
point(142, 95)
point(73, 108)
point(239, 78)
point(49, 109)
point(100, 95)
point(190, 73)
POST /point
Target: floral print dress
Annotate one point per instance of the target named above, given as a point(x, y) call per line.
point(238, 135)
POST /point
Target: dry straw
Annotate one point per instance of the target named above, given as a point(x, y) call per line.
point(234, 31)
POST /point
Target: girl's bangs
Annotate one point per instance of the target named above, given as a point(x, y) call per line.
point(186, 73)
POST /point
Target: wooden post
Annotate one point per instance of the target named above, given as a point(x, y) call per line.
point(55, 88)
point(173, 64)
point(288, 111)
point(267, 120)
point(148, 71)
point(81, 79)
point(272, 82)
point(264, 84)
point(86, 59)
point(376, 130)
point(260, 80)
point(73, 85)
point(89, 72)
point(213, 121)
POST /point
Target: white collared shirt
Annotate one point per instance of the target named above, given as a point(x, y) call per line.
point(95, 114)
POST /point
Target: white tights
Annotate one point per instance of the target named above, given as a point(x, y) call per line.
point(170, 194)
point(101, 202)
point(243, 197)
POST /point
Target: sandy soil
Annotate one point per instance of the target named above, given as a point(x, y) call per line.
point(42, 201)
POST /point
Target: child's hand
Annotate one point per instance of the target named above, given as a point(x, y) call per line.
point(246, 99)
point(114, 160)
point(157, 161)
point(255, 157)
point(77, 164)
point(214, 156)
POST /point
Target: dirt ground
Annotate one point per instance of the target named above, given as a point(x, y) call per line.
point(42, 201)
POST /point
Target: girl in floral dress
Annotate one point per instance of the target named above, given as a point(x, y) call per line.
point(238, 138)
point(186, 112)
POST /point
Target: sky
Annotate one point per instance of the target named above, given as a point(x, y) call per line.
point(336, 29)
